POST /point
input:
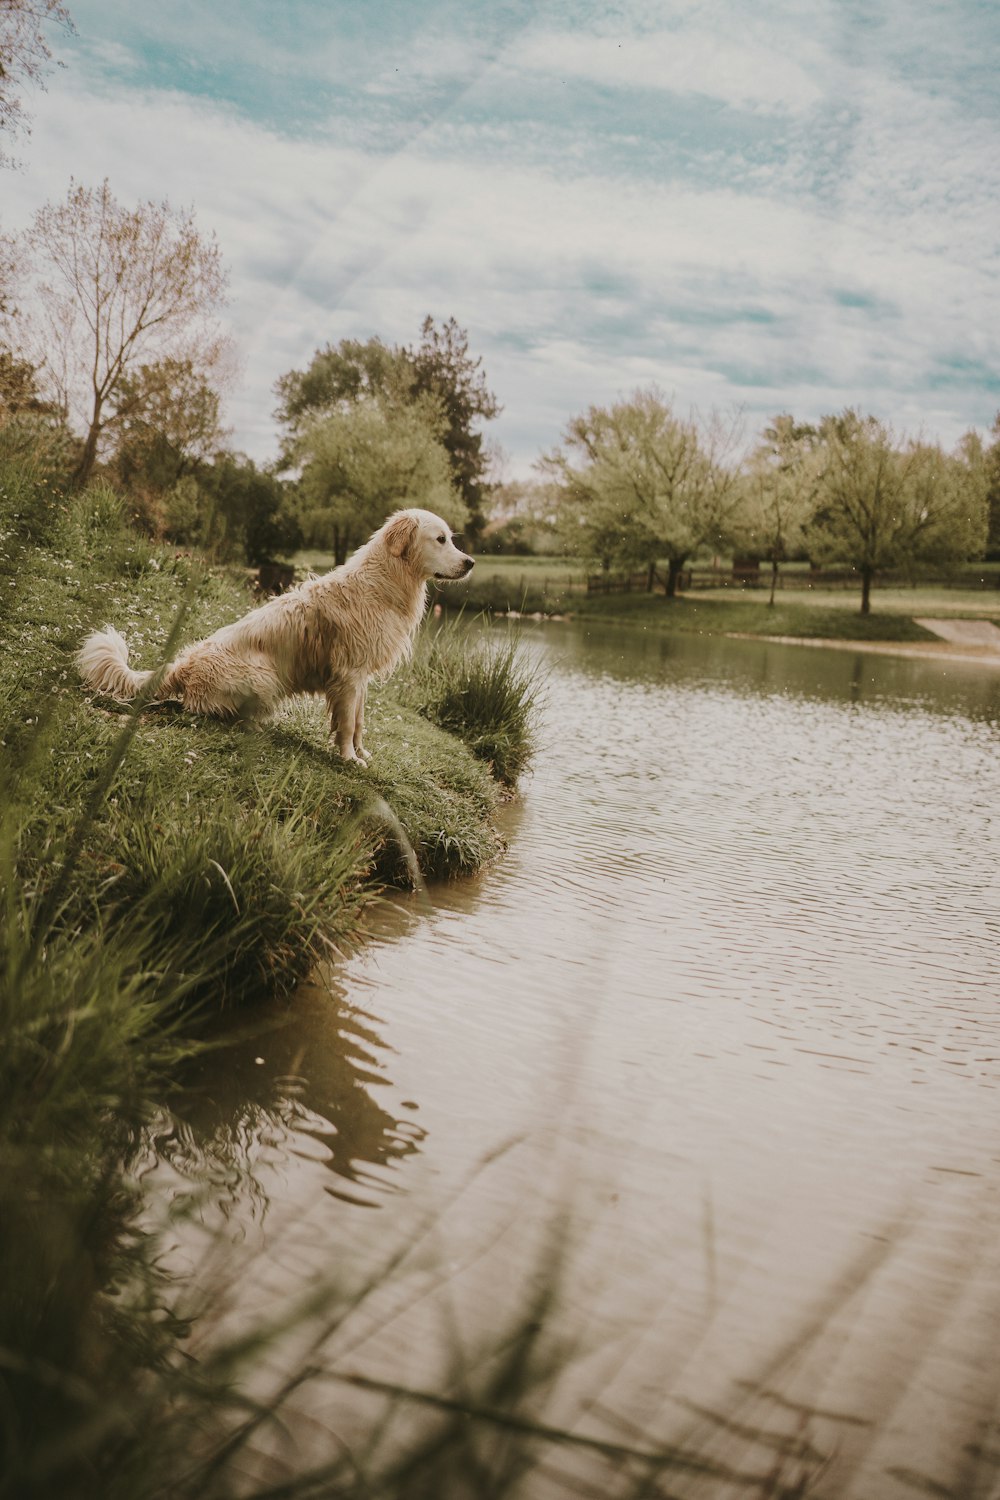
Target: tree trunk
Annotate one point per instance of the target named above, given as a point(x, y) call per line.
point(650, 577)
point(866, 589)
point(88, 458)
point(674, 566)
point(339, 546)
point(774, 581)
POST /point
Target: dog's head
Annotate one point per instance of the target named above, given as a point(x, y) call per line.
point(425, 543)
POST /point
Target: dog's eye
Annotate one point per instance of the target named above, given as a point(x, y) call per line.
point(442, 540)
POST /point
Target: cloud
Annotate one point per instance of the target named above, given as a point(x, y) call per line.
point(851, 266)
point(744, 73)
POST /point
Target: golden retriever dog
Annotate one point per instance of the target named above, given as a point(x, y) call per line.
point(328, 635)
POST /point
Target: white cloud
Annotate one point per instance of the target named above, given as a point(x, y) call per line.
point(739, 70)
point(575, 288)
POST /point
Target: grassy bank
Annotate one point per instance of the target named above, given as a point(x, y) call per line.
point(701, 615)
point(154, 868)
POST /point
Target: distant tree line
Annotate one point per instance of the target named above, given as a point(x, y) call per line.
point(635, 485)
point(113, 360)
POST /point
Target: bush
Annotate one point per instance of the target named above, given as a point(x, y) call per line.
point(42, 446)
point(480, 689)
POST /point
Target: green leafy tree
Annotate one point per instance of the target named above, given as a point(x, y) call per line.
point(117, 290)
point(335, 378)
point(640, 484)
point(233, 509)
point(366, 460)
point(255, 507)
point(884, 504)
point(991, 461)
point(34, 437)
point(445, 371)
point(439, 377)
point(779, 487)
point(20, 390)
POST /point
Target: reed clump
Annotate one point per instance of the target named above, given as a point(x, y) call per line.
point(480, 687)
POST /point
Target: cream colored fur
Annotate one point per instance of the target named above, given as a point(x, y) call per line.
point(329, 635)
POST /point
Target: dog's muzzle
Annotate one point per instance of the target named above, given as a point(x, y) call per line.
point(468, 564)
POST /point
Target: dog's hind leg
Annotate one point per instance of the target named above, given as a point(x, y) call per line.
point(226, 684)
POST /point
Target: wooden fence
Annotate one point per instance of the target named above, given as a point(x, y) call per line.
point(760, 578)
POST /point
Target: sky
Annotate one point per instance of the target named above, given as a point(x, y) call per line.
point(778, 205)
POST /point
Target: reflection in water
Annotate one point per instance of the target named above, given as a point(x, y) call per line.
point(729, 1008)
point(300, 1083)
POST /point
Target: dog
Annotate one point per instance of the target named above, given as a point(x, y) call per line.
point(329, 635)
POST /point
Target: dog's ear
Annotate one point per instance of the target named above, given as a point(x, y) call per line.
point(399, 533)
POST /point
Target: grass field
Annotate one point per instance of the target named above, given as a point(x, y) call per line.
point(707, 614)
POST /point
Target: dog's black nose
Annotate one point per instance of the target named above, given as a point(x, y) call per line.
point(469, 564)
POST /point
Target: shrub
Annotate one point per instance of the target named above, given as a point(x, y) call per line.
point(480, 689)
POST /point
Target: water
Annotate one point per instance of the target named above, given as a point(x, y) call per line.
point(720, 1037)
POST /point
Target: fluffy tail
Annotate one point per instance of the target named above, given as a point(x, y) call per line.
point(103, 664)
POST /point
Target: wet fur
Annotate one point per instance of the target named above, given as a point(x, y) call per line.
point(329, 635)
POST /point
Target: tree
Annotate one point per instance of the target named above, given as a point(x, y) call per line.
point(166, 419)
point(991, 460)
point(120, 289)
point(232, 509)
point(20, 390)
point(366, 460)
point(884, 504)
point(339, 377)
point(444, 370)
point(24, 54)
point(438, 375)
point(780, 484)
point(639, 484)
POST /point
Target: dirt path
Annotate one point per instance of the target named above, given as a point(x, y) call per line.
point(977, 641)
point(964, 632)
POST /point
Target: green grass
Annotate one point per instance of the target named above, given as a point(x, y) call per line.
point(710, 615)
point(476, 687)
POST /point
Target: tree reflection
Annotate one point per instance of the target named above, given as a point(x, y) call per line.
point(301, 1082)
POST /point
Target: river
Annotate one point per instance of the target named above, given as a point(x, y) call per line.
point(702, 1078)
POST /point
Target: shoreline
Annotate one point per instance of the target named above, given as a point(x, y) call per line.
point(943, 648)
point(945, 651)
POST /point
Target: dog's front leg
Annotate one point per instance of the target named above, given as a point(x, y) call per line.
point(341, 701)
point(359, 724)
